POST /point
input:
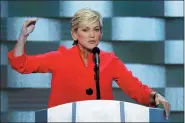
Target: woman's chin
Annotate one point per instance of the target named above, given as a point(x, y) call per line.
point(91, 47)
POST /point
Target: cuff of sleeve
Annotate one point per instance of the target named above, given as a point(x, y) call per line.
point(152, 104)
point(16, 61)
point(147, 99)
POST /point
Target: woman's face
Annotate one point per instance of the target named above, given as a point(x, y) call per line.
point(88, 34)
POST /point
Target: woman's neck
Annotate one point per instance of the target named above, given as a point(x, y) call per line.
point(83, 52)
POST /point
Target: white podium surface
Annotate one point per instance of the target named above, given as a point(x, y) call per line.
point(100, 111)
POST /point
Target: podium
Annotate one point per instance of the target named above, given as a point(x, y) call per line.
point(100, 111)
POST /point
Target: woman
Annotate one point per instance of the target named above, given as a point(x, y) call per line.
point(73, 69)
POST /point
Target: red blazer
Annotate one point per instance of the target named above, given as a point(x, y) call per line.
point(71, 78)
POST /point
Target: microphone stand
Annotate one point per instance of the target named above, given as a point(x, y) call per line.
point(96, 77)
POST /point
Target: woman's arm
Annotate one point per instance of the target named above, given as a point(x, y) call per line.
point(24, 63)
point(40, 63)
point(130, 84)
point(135, 89)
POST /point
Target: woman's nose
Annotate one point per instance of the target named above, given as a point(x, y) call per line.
point(92, 34)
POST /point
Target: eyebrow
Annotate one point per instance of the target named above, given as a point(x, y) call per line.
point(89, 27)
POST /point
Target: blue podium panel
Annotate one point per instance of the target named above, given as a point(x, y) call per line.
point(157, 115)
point(100, 111)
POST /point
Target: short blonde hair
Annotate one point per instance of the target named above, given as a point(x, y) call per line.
point(85, 14)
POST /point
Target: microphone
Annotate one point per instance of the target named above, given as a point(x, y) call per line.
point(96, 52)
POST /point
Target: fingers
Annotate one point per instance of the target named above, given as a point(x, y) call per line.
point(29, 22)
point(167, 108)
point(161, 100)
point(34, 19)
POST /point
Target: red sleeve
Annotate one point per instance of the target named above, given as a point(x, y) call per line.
point(40, 63)
point(130, 84)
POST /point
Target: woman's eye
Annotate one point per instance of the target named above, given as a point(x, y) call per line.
point(97, 30)
point(85, 30)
